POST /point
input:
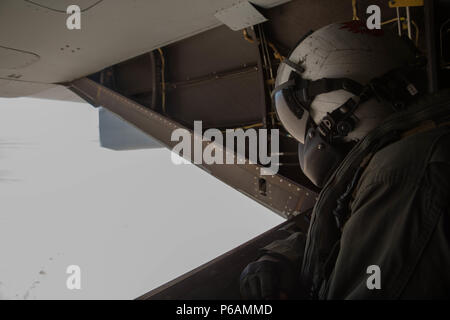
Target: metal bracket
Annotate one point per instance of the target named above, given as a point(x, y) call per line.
point(405, 3)
point(240, 16)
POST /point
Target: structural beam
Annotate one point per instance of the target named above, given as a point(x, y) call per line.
point(281, 195)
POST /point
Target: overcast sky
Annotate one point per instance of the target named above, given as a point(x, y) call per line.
point(130, 219)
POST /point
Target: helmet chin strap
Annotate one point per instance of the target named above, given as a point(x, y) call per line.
point(393, 88)
point(324, 149)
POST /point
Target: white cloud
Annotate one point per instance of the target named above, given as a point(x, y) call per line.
point(131, 220)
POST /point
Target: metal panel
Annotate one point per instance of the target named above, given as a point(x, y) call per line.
point(13, 88)
point(210, 52)
point(213, 77)
point(135, 76)
point(11, 59)
point(240, 16)
point(61, 5)
point(111, 31)
point(227, 102)
point(281, 195)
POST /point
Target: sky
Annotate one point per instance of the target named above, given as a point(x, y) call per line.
point(131, 220)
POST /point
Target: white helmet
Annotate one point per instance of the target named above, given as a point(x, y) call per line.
point(328, 83)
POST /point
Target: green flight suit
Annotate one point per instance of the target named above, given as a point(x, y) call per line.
point(398, 217)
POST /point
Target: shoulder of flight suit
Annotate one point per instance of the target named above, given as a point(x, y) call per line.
point(398, 218)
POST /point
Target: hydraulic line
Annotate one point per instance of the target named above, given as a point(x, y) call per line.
point(163, 81)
